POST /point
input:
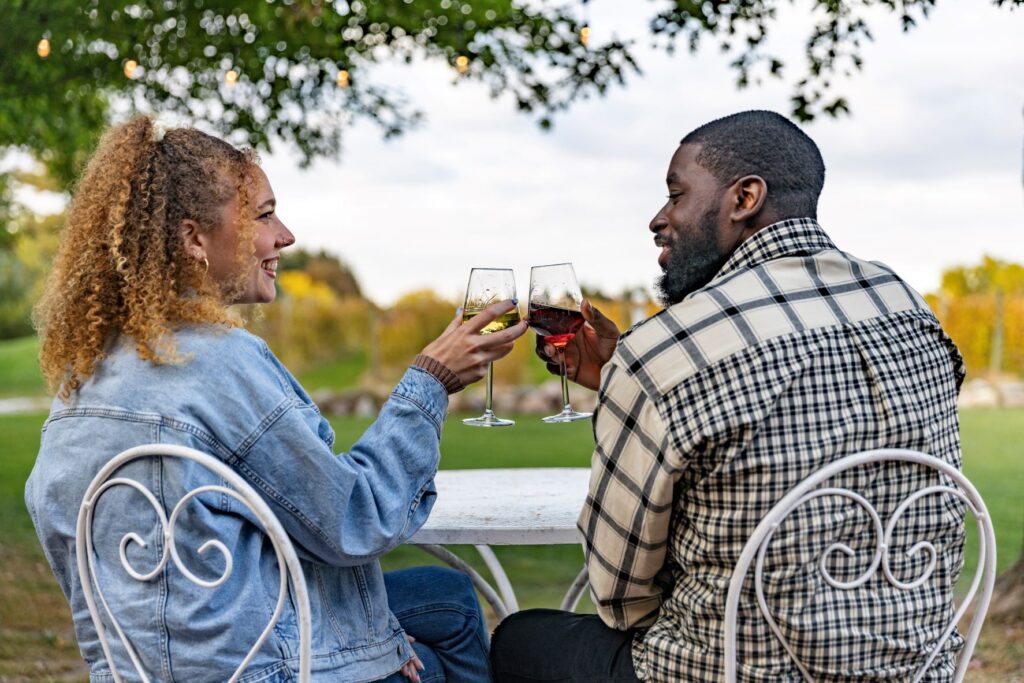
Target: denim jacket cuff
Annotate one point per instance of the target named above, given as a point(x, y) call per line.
point(441, 372)
point(426, 391)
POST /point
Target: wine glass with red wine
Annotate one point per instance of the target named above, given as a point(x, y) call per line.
point(555, 315)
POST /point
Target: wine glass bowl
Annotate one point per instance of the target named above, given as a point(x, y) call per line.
point(488, 286)
point(554, 314)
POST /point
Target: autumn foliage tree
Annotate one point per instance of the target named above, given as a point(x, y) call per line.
point(415, 320)
point(982, 308)
point(320, 314)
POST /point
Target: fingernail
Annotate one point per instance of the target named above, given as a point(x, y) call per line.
point(515, 301)
point(458, 311)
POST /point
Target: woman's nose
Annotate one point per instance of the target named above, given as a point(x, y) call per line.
point(285, 237)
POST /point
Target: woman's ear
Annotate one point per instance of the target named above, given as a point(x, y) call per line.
point(193, 238)
point(750, 193)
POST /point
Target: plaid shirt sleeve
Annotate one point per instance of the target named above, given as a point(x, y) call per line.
point(625, 519)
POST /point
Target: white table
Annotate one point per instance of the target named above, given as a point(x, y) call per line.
point(528, 506)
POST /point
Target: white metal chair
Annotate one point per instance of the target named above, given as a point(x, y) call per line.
point(287, 560)
point(759, 541)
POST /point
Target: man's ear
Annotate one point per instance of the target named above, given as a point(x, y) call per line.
point(749, 196)
point(194, 239)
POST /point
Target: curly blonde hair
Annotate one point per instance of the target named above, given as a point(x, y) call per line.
point(122, 267)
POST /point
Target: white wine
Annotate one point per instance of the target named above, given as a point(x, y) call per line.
point(503, 321)
point(487, 286)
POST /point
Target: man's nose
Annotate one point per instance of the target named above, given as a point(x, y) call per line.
point(658, 222)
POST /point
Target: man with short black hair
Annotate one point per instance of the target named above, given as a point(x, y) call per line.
point(776, 354)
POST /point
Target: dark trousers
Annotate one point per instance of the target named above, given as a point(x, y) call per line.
point(551, 645)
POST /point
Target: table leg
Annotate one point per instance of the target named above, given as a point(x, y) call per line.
point(456, 562)
point(500, 578)
point(575, 592)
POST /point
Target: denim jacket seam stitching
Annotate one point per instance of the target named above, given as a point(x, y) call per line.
point(208, 439)
point(273, 494)
point(283, 382)
point(328, 607)
point(364, 595)
point(265, 424)
point(378, 645)
point(281, 500)
point(163, 592)
point(266, 672)
point(46, 551)
point(398, 539)
point(284, 664)
point(424, 409)
point(113, 413)
point(145, 418)
point(416, 501)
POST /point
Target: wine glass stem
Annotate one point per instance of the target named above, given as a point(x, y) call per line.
point(490, 380)
point(565, 380)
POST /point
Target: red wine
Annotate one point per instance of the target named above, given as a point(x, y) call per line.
point(557, 325)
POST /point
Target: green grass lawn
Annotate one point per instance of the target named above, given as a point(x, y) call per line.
point(19, 368)
point(993, 445)
point(336, 374)
point(34, 621)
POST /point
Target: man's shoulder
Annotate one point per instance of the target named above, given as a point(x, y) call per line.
point(785, 296)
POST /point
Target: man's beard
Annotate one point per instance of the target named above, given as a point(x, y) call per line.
point(691, 265)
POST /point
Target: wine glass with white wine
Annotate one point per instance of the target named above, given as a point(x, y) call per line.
point(555, 315)
point(488, 286)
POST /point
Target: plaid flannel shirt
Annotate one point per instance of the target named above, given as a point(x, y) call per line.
point(794, 355)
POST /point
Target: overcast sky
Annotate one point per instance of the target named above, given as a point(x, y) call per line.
point(926, 173)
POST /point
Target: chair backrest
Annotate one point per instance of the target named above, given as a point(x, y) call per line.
point(287, 560)
point(759, 541)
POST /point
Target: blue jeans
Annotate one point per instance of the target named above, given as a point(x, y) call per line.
point(439, 608)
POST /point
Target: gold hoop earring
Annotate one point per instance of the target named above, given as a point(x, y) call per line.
point(206, 262)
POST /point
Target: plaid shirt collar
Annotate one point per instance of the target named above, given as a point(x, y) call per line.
point(791, 237)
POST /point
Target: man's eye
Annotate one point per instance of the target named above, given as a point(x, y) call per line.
point(673, 196)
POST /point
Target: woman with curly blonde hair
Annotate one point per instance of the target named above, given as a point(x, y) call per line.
point(164, 234)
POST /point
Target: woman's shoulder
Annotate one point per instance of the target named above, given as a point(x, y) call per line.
point(216, 356)
point(199, 338)
point(220, 351)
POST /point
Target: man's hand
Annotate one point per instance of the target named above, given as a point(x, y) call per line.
point(465, 351)
point(588, 351)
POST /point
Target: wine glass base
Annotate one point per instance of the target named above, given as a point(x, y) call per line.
point(567, 415)
point(488, 420)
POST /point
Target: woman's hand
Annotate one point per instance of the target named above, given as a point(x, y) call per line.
point(465, 351)
point(412, 668)
point(588, 351)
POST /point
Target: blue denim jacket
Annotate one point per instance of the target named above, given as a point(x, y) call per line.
point(233, 399)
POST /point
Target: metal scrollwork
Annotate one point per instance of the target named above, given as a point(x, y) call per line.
point(759, 541)
point(287, 560)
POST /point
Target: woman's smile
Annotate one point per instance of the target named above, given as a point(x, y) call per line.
point(270, 267)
